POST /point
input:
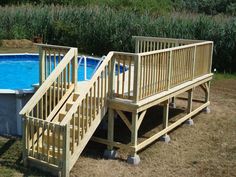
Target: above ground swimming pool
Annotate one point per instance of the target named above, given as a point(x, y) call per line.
point(18, 72)
point(21, 71)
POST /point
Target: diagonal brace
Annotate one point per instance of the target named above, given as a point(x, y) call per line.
point(124, 118)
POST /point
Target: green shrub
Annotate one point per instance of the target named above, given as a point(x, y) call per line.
point(101, 29)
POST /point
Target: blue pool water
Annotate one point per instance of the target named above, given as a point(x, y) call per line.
point(21, 71)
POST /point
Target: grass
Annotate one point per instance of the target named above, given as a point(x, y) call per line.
point(11, 163)
point(221, 76)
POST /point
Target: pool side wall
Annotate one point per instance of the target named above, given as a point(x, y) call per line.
point(11, 102)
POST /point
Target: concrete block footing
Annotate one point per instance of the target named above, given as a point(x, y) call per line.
point(165, 138)
point(173, 105)
point(189, 122)
point(207, 110)
point(110, 154)
point(133, 160)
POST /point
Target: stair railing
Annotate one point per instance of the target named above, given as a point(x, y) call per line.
point(40, 133)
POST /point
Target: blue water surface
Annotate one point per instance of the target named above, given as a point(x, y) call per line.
point(21, 71)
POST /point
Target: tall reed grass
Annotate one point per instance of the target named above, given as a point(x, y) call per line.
point(101, 29)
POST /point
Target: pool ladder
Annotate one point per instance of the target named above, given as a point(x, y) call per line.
point(83, 57)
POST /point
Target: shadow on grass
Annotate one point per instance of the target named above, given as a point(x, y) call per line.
point(11, 159)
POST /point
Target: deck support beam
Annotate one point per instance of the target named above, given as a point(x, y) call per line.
point(207, 96)
point(190, 106)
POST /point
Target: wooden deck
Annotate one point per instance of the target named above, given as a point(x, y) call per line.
point(62, 116)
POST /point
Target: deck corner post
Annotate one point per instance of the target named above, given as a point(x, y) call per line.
point(211, 56)
point(42, 61)
point(137, 60)
point(66, 151)
point(75, 69)
point(194, 61)
point(111, 78)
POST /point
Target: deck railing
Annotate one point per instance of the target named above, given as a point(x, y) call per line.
point(164, 69)
point(43, 140)
point(147, 44)
point(166, 63)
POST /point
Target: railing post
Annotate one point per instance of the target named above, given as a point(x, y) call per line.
point(66, 151)
point(75, 69)
point(169, 71)
point(111, 78)
point(41, 65)
point(136, 45)
point(211, 56)
point(137, 59)
point(194, 61)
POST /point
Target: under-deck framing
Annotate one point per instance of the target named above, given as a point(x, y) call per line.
point(62, 116)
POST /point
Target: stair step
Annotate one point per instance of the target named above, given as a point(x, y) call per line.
point(69, 105)
point(75, 96)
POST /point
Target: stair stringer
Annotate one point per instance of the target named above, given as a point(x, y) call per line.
point(87, 136)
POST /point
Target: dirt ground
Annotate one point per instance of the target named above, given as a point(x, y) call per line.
point(208, 148)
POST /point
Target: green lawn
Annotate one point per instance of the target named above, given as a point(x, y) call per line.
point(11, 163)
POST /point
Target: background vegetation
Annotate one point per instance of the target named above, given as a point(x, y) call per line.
point(100, 26)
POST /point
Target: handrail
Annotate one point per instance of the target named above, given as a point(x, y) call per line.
point(69, 114)
point(165, 39)
point(147, 44)
point(52, 46)
point(174, 48)
point(48, 82)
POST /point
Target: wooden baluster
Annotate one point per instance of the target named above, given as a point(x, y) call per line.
point(90, 105)
point(83, 111)
point(48, 140)
point(123, 79)
point(118, 78)
point(53, 130)
point(79, 125)
point(95, 100)
point(129, 77)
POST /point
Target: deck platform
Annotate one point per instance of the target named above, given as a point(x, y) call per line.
point(63, 114)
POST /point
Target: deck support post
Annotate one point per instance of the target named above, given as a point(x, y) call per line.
point(165, 138)
point(207, 97)
point(24, 138)
point(173, 102)
point(133, 158)
point(110, 153)
point(190, 106)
